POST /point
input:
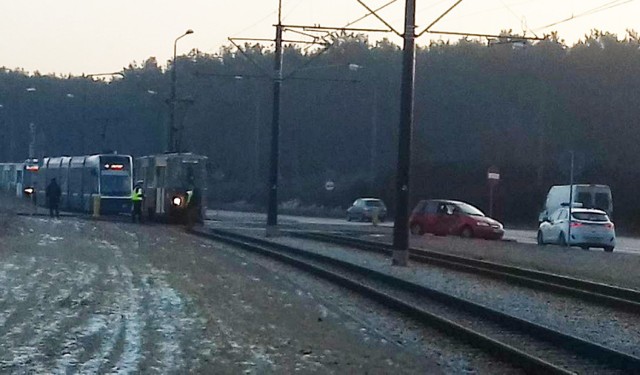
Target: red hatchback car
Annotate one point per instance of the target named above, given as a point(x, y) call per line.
point(444, 217)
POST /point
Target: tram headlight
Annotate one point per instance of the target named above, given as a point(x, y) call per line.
point(176, 201)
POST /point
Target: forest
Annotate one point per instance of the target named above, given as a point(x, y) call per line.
point(522, 107)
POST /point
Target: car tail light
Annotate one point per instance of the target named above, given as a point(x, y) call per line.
point(609, 225)
point(575, 224)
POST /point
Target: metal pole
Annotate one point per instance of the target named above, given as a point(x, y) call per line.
point(174, 145)
point(171, 147)
point(491, 187)
point(401, 227)
point(374, 139)
point(257, 98)
point(32, 141)
point(272, 205)
point(570, 200)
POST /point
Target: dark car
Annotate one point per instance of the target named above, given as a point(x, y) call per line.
point(363, 209)
point(444, 217)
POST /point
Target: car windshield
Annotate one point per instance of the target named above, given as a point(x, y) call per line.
point(589, 216)
point(468, 209)
point(373, 203)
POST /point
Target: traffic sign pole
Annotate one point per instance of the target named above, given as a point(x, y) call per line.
point(493, 176)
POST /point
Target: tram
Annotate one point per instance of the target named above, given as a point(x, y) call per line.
point(168, 180)
point(81, 178)
point(19, 179)
point(27, 177)
point(9, 178)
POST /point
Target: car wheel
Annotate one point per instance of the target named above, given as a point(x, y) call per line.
point(348, 217)
point(363, 217)
point(608, 249)
point(562, 240)
point(540, 238)
point(466, 232)
point(416, 229)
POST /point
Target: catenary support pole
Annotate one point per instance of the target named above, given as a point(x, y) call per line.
point(401, 227)
point(272, 204)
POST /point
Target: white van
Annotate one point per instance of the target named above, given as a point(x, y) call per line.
point(587, 196)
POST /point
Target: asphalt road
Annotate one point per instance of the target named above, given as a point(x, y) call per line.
point(624, 244)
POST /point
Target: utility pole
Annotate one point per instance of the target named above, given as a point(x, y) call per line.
point(173, 144)
point(272, 205)
point(278, 77)
point(374, 139)
point(401, 227)
point(32, 140)
point(570, 199)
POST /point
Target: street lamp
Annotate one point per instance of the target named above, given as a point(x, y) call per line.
point(32, 131)
point(173, 147)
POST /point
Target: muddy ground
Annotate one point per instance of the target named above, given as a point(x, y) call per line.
point(85, 296)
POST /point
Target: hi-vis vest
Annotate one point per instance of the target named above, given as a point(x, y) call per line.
point(136, 195)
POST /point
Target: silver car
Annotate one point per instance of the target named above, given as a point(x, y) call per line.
point(364, 209)
point(589, 228)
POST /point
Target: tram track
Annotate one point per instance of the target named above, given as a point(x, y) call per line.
point(593, 292)
point(530, 346)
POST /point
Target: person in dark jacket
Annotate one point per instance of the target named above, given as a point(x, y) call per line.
point(53, 194)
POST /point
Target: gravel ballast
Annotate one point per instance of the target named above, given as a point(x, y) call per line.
point(613, 268)
point(609, 327)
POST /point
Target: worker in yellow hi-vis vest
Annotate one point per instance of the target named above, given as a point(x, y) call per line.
point(137, 195)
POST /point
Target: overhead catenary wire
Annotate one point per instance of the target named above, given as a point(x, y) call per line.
point(525, 27)
point(601, 8)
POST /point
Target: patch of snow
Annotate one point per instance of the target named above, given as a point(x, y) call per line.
point(47, 240)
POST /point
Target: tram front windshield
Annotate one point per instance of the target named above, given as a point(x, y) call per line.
point(186, 174)
point(115, 185)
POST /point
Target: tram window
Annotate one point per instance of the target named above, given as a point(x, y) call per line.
point(90, 181)
point(149, 177)
point(161, 173)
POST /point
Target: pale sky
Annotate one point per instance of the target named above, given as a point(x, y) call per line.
point(91, 36)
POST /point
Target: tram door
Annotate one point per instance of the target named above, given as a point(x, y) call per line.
point(161, 175)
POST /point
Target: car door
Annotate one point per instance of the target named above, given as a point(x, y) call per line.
point(558, 225)
point(444, 218)
point(351, 211)
point(428, 217)
point(547, 228)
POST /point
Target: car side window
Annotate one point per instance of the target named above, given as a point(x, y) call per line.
point(564, 215)
point(554, 216)
point(431, 208)
point(420, 207)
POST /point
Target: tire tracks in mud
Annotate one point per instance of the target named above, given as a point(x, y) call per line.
point(114, 313)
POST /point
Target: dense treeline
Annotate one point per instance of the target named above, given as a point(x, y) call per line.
point(519, 107)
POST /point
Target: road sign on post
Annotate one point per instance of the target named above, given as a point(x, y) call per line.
point(493, 176)
point(329, 185)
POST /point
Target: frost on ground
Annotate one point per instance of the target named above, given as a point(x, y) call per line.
point(79, 296)
point(72, 304)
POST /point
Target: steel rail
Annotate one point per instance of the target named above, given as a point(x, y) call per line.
point(586, 350)
point(603, 294)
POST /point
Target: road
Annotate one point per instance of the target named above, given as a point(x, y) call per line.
point(624, 244)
